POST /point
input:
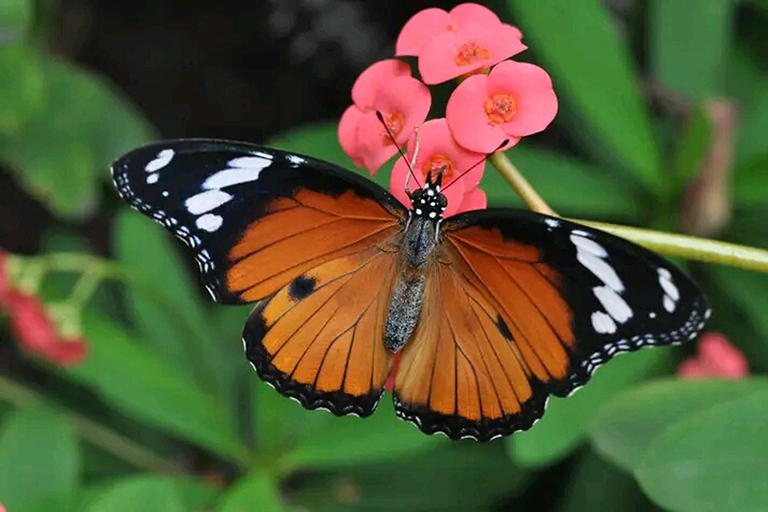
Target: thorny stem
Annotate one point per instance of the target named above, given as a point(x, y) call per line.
point(689, 247)
point(97, 435)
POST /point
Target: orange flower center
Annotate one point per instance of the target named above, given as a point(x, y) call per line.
point(395, 124)
point(471, 52)
point(500, 108)
point(434, 164)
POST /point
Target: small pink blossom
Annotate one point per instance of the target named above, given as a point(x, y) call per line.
point(516, 99)
point(438, 150)
point(450, 44)
point(474, 199)
point(716, 357)
point(403, 101)
point(37, 331)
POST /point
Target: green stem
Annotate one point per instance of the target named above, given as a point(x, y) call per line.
point(684, 246)
point(97, 435)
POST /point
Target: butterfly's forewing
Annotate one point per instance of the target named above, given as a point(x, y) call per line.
point(522, 306)
point(311, 239)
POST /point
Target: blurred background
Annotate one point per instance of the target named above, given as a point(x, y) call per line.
point(663, 123)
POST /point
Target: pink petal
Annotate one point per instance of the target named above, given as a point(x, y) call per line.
point(531, 87)
point(474, 199)
point(407, 96)
point(367, 85)
point(717, 352)
point(465, 113)
point(473, 13)
point(348, 127)
point(692, 369)
point(397, 182)
point(373, 144)
point(420, 30)
point(438, 60)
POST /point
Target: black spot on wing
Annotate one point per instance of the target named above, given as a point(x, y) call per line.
point(501, 325)
point(301, 287)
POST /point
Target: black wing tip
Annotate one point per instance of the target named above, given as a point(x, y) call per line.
point(700, 313)
point(336, 402)
point(485, 430)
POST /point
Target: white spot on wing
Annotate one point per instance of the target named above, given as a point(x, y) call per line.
point(209, 222)
point(669, 304)
point(162, 159)
point(588, 245)
point(295, 160)
point(600, 268)
point(152, 178)
point(613, 303)
point(206, 201)
point(250, 162)
point(233, 176)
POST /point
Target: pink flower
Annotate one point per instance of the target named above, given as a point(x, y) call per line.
point(717, 357)
point(516, 99)
point(403, 101)
point(450, 44)
point(37, 331)
point(438, 150)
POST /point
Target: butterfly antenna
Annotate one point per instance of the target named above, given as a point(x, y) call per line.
point(475, 165)
point(410, 164)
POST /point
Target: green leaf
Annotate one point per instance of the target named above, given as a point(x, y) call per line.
point(39, 461)
point(625, 427)
point(438, 479)
point(62, 152)
point(592, 69)
point(692, 146)
point(165, 304)
point(146, 493)
point(564, 424)
point(257, 491)
point(571, 187)
point(137, 382)
point(321, 141)
point(15, 20)
point(712, 460)
point(753, 126)
point(750, 186)
point(596, 485)
point(675, 29)
point(348, 440)
point(22, 83)
point(747, 289)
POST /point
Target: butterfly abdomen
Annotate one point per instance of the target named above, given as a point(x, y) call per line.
point(404, 310)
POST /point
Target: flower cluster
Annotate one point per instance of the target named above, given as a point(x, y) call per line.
point(496, 103)
point(716, 357)
point(36, 326)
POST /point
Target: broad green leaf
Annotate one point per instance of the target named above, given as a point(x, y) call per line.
point(194, 494)
point(145, 493)
point(15, 19)
point(571, 187)
point(748, 290)
point(257, 491)
point(596, 485)
point(136, 381)
point(39, 461)
point(689, 47)
point(592, 70)
point(62, 152)
point(454, 477)
point(321, 141)
point(564, 424)
point(712, 460)
point(22, 83)
point(626, 426)
point(347, 441)
point(165, 304)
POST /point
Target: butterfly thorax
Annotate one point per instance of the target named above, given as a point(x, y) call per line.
point(419, 242)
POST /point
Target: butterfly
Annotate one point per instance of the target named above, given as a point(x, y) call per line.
point(491, 311)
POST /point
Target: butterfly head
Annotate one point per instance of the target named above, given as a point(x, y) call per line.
point(428, 202)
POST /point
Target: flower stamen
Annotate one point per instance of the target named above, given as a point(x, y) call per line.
point(500, 108)
point(471, 52)
point(435, 164)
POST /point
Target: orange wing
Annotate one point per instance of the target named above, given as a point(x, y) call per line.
point(326, 267)
point(470, 370)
